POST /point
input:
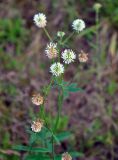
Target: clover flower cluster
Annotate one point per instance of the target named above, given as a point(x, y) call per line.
point(78, 25)
point(68, 56)
point(37, 125)
point(37, 99)
point(66, 156)
point(40, 20)
point(52, 51)
point(60, 57)
point(57, 69)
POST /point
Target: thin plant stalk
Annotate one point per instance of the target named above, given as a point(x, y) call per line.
point(53, 153)
point(97, 33)
point(47, 34)
point(48, 88)
point(60, 101)
point(46, 92)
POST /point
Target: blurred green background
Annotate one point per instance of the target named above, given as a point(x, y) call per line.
point(92, 116)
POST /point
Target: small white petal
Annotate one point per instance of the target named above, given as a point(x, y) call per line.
point(68, 56)
point(78, 25)
point(40, 20)
point(57, 69)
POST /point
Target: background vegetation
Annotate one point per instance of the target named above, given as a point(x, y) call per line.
point(91, 116)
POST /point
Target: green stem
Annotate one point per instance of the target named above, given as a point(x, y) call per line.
point(48, 88)
point(46, 124)
point(53, 153)
point(59, 51)
point(97, 33)
point(47, 34)
point(60, 100)
point(42, 112)
point(46, 92)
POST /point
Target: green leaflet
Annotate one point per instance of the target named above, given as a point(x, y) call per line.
point(76, 154)
point(73, 88)
point(66, 87)
point(28, 148)
point(42, 136)
point(57, 157)
point(69, 88)
point(41, 157)
point(33, 138)
point(37, 157)
point(63, 136)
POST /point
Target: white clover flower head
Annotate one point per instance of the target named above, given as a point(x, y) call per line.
point(57, 69)
point(78, 25)
point(68, 56)
point(60, 34)
point(51, 50)
point(66, 156)
point(40, 20)
point(37, 125)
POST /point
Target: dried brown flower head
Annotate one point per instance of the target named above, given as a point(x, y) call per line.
point(66, 156)
point(83, 57)
point(37, 99)
point(37, 125)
